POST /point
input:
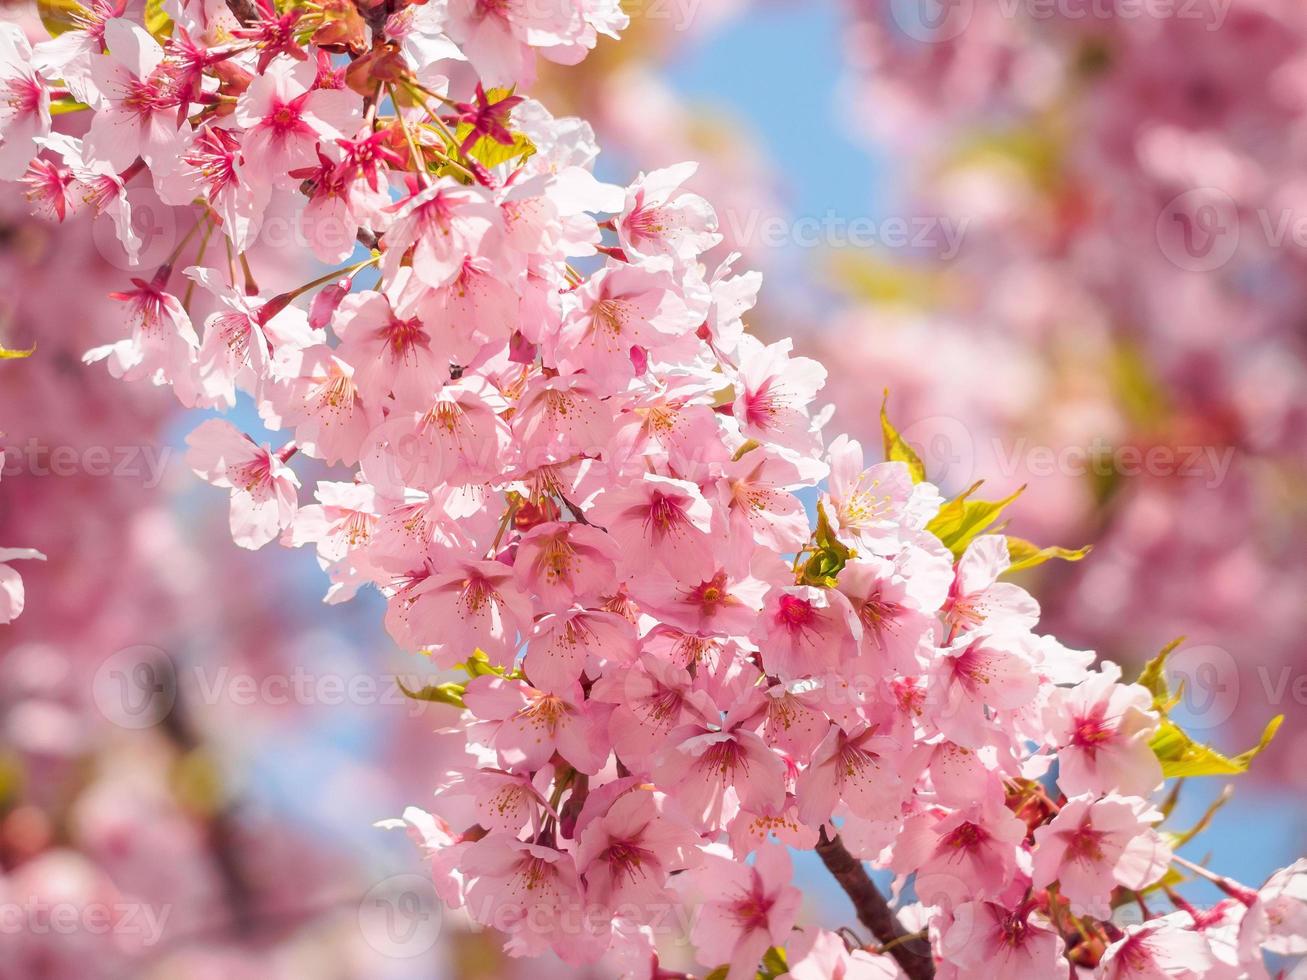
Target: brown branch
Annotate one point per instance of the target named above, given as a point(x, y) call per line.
point(873, 911)
point(244, 10)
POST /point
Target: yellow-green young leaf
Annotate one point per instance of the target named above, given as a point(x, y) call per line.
point(1182, 756)
point(58, 16)
point(896, 448)
point(479, 665)
point(61, 107)
point(1025, 554)
point(490, 152)
point(1184, 837)
point(774, 963)
point(829, 555)
point(962, 519)
point(440, 693)
point(1153, 677)
point(13, 355)
point(157, 22)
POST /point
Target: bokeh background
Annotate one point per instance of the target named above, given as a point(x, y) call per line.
point(1069, 236)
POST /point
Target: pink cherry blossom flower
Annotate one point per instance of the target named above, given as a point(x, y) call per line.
point(247, 342)
point(445, 224)
point(558, 418)
point(263, 488)
point(563, 643)
point(341, 522)
point(651, 699)
point(725, 603)
point(324, 406)
point(71, 55)
point(504, 802)
point(499, 35)
point(212, 166)
point(460, 437)
point(749, 908)
point(163, 343)
point(856, 769)
point(971, 853)
point(1283, 903)
point(24, 103)
point(621, 309)
point(816, 954)
point(978, 601)
point(1091, 846)
point(12, 598)
point(895, 601)
point(285, 117)
point(975, 677)
point(473, 605)
point(1006, 945)
point(661, 219)
point(1101, 730)
point(392, 356)
point(526, 726)
point(565, 563)
point(712, 773)
point(626, 855)
point(659, 519)
point(137, 114)
point(529, 891)
point(442, 846)
point(875, 505)
point(100, 188)
point(774, 391)
point(805, 630)
point(1159, 950)
point(760, 506)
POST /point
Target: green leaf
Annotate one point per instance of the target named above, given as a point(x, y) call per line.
point(1153, 677)
point(61, 107)
point(962, 520)
point(896, 448)
point(1184, 837)
point(487, 150)
point(157, 22)
point(774, 964)
point(1025, 554)
point(479, 665)
point(1180, 755)
point(59, 16)
point(13, 355)
point(449, 693)
point(829, 554)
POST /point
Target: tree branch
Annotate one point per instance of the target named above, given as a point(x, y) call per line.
point(873, 911)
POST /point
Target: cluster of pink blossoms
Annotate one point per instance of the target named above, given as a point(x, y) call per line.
point(578, 484)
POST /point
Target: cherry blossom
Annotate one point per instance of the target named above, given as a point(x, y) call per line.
point(581, 487)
